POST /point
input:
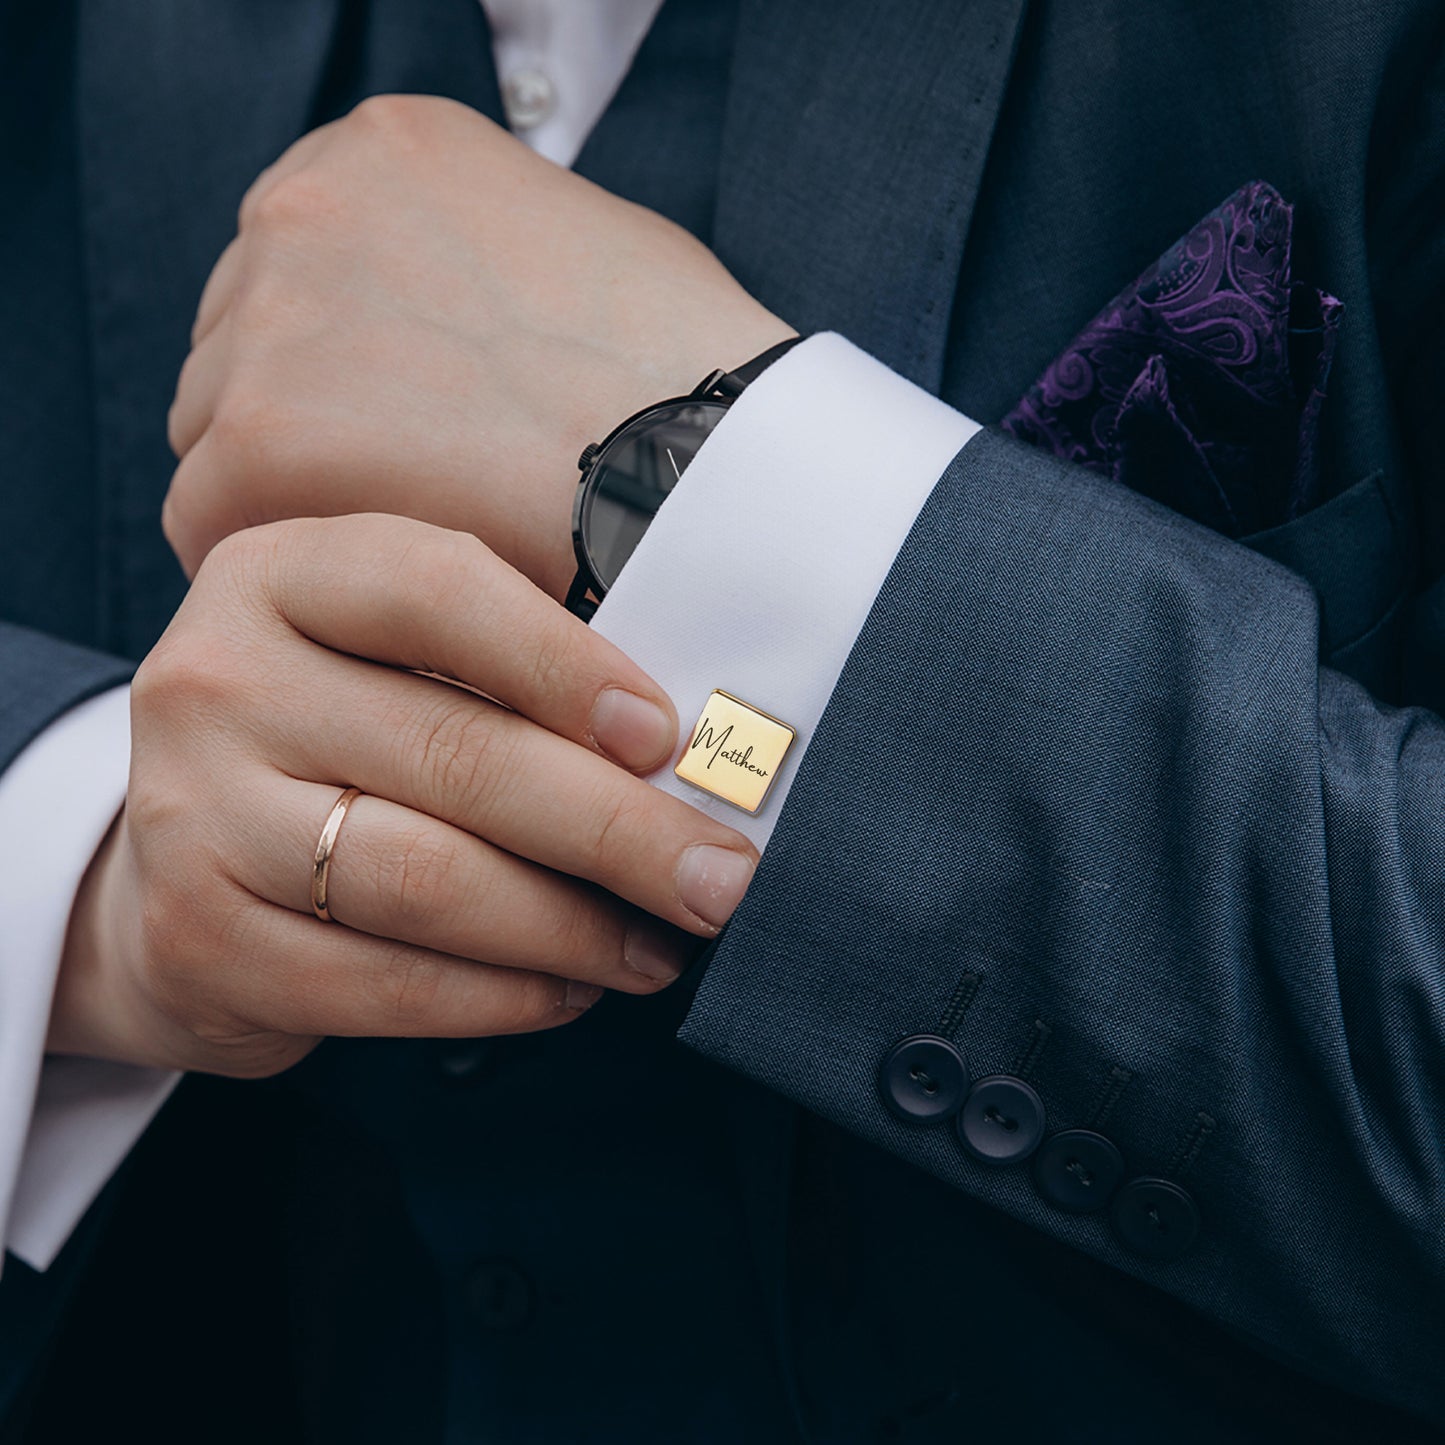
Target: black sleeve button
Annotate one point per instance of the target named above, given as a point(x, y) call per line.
point(923, 1079)
point(1155, 1218)
point(1078, 1171)
point(1002, 1120)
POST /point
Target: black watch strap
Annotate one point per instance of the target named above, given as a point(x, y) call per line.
point(731, 383)
point(727, 386)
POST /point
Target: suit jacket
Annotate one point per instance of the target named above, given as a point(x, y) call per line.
point(1171, 804)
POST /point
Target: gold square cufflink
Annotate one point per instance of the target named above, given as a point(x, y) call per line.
point(735, 751)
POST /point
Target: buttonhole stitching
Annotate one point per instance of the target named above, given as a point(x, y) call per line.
point(958, 1004)
point(1192, 1144)
point(1115, 1083)
point(1027, 1061)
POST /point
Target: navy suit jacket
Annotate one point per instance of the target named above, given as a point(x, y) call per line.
point(1172, 803)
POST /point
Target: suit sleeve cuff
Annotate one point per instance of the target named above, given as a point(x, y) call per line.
point(758, 573)
point(65, 1124)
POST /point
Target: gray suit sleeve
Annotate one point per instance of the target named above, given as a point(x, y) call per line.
point(1085, 800)
point(43, 678)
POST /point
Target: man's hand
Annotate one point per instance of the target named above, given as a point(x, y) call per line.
point(457, 878)
point(421, 316)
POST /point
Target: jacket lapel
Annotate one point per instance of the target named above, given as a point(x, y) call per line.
point(180, 106)
point(852, 154)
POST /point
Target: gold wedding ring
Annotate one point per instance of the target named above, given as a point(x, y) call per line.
point(321, 869)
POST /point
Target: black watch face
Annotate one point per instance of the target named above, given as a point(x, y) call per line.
point(633, 475)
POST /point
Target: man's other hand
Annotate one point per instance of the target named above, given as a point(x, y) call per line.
point(502, 865)
point(421, 316)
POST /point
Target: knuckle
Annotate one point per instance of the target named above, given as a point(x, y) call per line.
point(585, 941)
point(408, 984)
point(527, 1002)
point(460, 752)
point(174, 526)
point(417, 876)
point(185, 383)
point(397, 117)
point(299, 200)
point(151, 812)
point(384, 112)
point(619, 821)
point(151, 680)
point(192, 511)
point(219, 655)
point(174, 438)
point(180, 678)
point(276, 309)
point(249, 427)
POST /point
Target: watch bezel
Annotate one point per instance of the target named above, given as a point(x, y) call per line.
point(590, 477)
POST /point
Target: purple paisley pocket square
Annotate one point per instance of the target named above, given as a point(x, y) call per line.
point(1201, 385)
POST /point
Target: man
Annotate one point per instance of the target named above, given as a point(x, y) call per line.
point(1080, 1027)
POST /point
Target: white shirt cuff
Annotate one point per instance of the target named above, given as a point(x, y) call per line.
point(759, 571)
point(65, 1124)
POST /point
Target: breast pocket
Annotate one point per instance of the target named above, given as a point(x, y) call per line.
point(1351, 550)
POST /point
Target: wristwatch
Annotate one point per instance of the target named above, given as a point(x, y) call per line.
point(628, 475)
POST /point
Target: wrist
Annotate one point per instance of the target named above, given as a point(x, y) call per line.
point(663, 366)
point(91, 1014)
point(629, 469)
point(749, 331)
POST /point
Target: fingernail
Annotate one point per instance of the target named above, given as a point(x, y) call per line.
point(655, 952)
point(711, 881)
point(630, 730)
point(581, 996)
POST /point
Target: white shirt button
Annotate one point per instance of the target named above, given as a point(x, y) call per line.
point(529, 98)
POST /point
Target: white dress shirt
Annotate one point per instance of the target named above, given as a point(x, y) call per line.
point(63, 1128)
point(833, 451)
point(559, 63)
